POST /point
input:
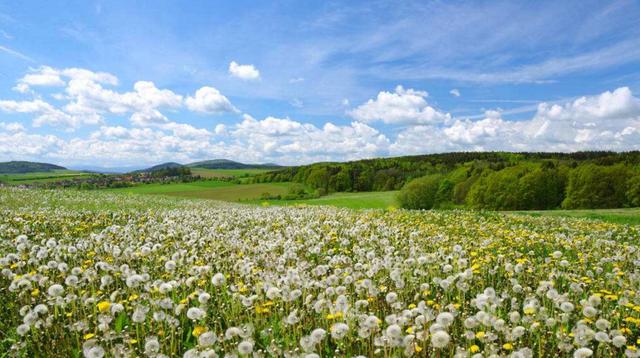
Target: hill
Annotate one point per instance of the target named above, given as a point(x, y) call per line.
point(163, 166)
point(230, 164)
point(21, 167)
point(483, 180)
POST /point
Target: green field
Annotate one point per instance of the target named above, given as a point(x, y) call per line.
point(618, 216)
point(364, 200)
point(216, 190)
point(225, 173)
point(41, 177)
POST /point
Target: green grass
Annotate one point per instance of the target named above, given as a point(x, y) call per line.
point(41, 177)
point(619, 216)
point(361, 200)
point(225, 173)
point(216, 190)
point(174, 188)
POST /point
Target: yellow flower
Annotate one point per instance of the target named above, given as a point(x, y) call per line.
point(133, 341)
point(474, 349)
point(418, 348)
point(507, 346)
point(88, 336)
point(35, 292)
point(529, 310)
point(104, 306)
point(198, 330)
point(480, 335)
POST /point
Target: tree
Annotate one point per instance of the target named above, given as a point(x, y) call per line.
point(420, 193)
point(595, 186)
point(633, 191)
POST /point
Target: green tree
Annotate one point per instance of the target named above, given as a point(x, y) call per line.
point(420, 193)
point(597, 186)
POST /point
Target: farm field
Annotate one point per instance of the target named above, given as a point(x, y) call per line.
point(211, 189)
point(363, 200)
point(41, 177)
point(135, 276)
point(224, 173)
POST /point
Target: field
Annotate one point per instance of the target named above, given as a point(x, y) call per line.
point(364, 200)
point(101, 273)
point(41, 177)
point(211, 189)
point(225, 173)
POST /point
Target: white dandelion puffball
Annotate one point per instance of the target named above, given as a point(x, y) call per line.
point(440, 339)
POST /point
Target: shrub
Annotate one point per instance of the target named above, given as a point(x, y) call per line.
point(420, 193)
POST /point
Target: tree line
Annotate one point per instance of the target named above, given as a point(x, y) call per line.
point(485, 180)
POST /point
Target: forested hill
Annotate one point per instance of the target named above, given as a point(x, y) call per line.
point(491, 180)
point(18, 167)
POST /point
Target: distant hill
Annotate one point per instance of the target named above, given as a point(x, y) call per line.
point(230, 164)
point(19, 167)
point(159, 167)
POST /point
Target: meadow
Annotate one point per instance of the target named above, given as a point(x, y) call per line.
point(41, 177)
point(102, 273)
point(209, 189)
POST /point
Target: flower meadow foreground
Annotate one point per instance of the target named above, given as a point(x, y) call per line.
point(199, 279)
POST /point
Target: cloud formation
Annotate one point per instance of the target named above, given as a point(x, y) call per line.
point(150, 134)
point(87, 99)
point(403, 106)
point(245, 72)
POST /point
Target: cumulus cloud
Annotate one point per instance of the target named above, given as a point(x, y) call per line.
point(608, 121)
point(88, 100)
point(455, 92)
point(12, 127)
point(403, 106)
point(245, 72)
point(286, 138)
point(209, 100)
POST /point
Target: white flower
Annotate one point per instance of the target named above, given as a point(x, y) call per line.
point(589, 311)
point(339, 330)
point(273, 293)
point(317, 335)
point(391, 297)
point(207, 339)
point(218, 279)
point(245, 347)
point(195, 313)
point(619, 341)
point(582, 353)
point(55, 290)
point(94, 352)
point(440, 339)
point(151, 346)
point(394, 331)
point(445, 319)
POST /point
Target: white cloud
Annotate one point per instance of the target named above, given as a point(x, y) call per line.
point(296, 80)
point(12, 127)
point(209, 100)
point(245, 72)
point(609, 121)
point(455, 92)
point(46, 113)
point(87, 101)
point(294, 141)
point(403, 106)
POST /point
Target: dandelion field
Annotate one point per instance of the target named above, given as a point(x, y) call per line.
point(98, 274)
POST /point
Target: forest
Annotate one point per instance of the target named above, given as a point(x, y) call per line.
point(483, 180)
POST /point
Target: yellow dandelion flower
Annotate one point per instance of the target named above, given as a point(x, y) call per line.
point(104, 306)
point(198, 330)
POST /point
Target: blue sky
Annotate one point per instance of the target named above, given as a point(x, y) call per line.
point(121, 83)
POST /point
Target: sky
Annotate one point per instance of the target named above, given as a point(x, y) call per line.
point(135, 83)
